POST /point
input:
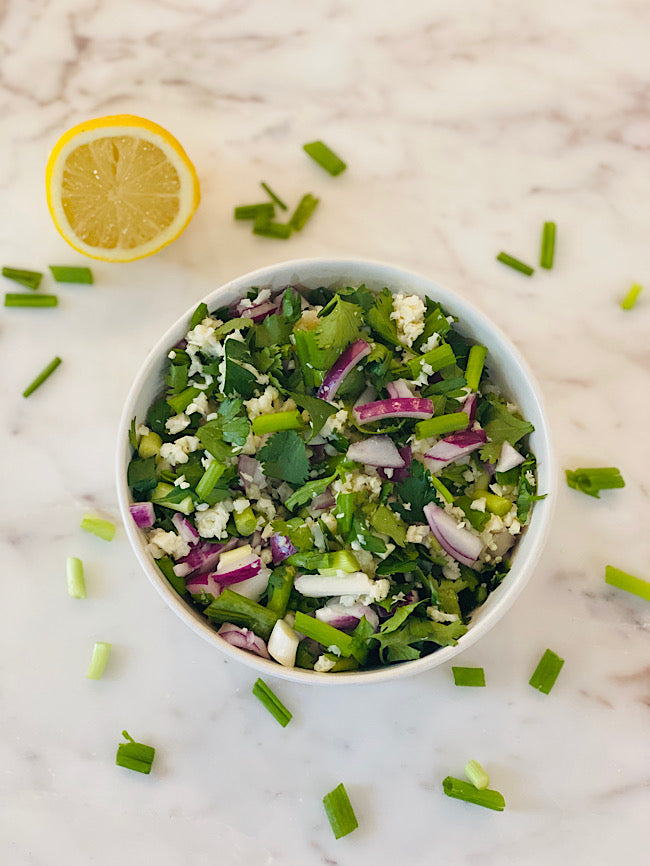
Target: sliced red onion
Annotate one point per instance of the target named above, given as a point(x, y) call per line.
point(254, 587)
point(454, 447)
point(411, 596)
point(203, 557)
point(203, 584)
point(243, 569)
point(185, 529)
point(468, 406)
point(376, 451)
point(251, 472)
point(399, 388)
point(243, 638)
point(398, 475)
point(340, 369)
point(143, 514)
point(322, 502)
point(281, 548)
point(394, 407)
point(457, 541)
point(346, 617)
point(509, 458)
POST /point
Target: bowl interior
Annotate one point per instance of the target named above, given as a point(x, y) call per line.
point(506, 368)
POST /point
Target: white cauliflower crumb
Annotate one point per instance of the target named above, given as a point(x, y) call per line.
point(177, 452)
point(439, 616)
point(408, 312)
point(177, 423)
point(161, 543)
point(323, 664)
point(212, 522)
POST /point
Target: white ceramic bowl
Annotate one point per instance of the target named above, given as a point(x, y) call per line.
point(506, 367)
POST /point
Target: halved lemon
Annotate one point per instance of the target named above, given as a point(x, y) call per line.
point(120, 188)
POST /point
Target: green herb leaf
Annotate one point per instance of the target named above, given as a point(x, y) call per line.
point(339, 325)
point(284, 456)
point(378, 317)
point(305, 494)
point(501, 425)
point(417, 490)
point(319, 410)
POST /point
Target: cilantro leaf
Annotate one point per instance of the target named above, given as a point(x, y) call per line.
point(400, 616)
point(416, 489)
point(361, 296)
point(435, 322)
point(319, 410)
point(236, 431)
point(211, 437)
point(339, 325)
point(133, 436)
point(501, 425)
point(305, 494)
point(285, 457)
point(378, 317)
point(141, 474)
point(527, 489)
point(291, 305)
point(398, 645)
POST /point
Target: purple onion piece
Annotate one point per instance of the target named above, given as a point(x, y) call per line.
point(376, 451)
point(185, 529)
point(143, 514)
point(203, 584)
point(347, 618)
point(340, 369)
point(509, 458)
point(469, 405)
point(203, 557)
point(394, 407)
point(457, 541)
point(244, 569)
point(251, 472)
point(454, 447)
point(399, 388)
point(281, 548)
point(244, 639)
point(259, 312)
point(398, 475)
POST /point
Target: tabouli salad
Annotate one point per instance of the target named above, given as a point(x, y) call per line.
point(330, 477)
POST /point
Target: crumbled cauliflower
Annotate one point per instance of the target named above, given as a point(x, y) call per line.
point(181, 482)
point(430, 344)
point(142, 430)
point(451, 570)
point(335, 423)
point(266, 507)
point(161, 543)
point(240, 505)
point(359, 482)
point(309, 319)
point(417, 533)
point(212, 522)
point(439, 616)
point(199, 404)
point(177, 423)
point(203, 339)
point(408, 312)
point(176, 452)
point(323, 664)
point(478, 504)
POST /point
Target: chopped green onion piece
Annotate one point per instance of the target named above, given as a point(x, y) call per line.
point(592, 481)
point(631, 297)
point(101, 528)
point(245, 521)
point(438, 358)
point(134, 756)
point(235, 608)
point(477, 775)
point(20, 299)
point(441, 424)
point(475, 362)
point(344, 513)
point(548, 246)
point(75, 574)
point(209, 478)
point(339, 812)
point(546, 672)
point(275, 421)
point(71, 275)
point(265, 228)
point(272, 703)
point(276, 199)
point(306, 206)
point(101, 652)
point(279, 589)
point(622, 580)
point(442, 490)
point(42, 376)
point(29, 279)
point(468, 676)
point(325, 157)
point(498, 505)
point(179, 402)
point(516, 264)
point(462, 790)
point(323, 633)
point(253, 211)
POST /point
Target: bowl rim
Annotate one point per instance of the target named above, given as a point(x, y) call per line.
point(539, 527)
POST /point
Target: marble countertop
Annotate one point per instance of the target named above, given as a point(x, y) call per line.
point(465, 126)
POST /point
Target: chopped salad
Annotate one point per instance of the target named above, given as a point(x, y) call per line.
point(330, 477)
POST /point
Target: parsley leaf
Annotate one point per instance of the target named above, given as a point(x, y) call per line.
point(319, 410)
point(339, 326)
point(284, 456)
point(378, 317)
point(501, 425)
point(416, 489)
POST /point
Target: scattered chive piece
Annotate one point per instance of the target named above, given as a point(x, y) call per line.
point(275, 421)
point(102, 528)
point(462, 790)
point(30, 279)
point(20, 299)
point(468, 676)
point(101, 652)
point(340, 812)
point(442, 490)
point(253, 211)
point(134, 756)
point(632, 296)
point(325, 157)
point(477, 775)
point(441, 424)
point(515, 263)
point(273, 196)
point(622, 580)
point(592, 481)
point(548, 246)
point(267, 229)
point(475, 362)
point(306, 206)
point(546, 672)
point(64, 274)
point(209, 478)
point(272, 702)
point(42, 376)
point(75, 573)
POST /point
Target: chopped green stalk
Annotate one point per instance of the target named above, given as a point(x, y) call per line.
point(245, 521)
point(475, 363)
point(276, 199)
point(343, 560)
point(516, 264)
point(179, 402)
point(622, 580)
point(275, 421)
point(632, 296)
point(442, 490)
point(101, 528)
point(235, 608)
point(280, 586)
point(344, 513)
point(268, 229)
point(498, 505)
point(29, 279)
point(101, 652)
point(462, 790)
point(325, 157)
point(546, 672)
point(341, 663)
point(272, 703)
point(135, 756)
point(323, 633)
point(209, 478)
point(592, 481)
point(306, 206)
point(75, 574)
point(548, 246)
point(468, 676)
point(20, 299)
point(172, 497)
point(149, 445)
point(339, 812)
point(438, 358)
point(42, 376)
point(71, 275)
point(477, 775)
point(253, 211)
point(441, 424)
